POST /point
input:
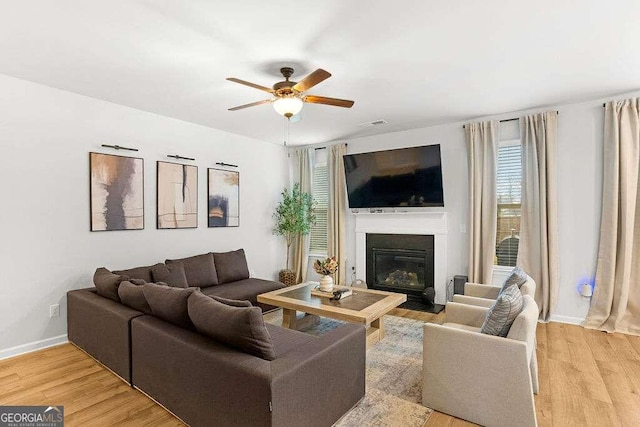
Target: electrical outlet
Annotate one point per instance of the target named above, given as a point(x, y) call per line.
point(54, 310)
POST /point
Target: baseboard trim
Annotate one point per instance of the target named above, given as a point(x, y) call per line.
point(32, 346)
point(566, 319)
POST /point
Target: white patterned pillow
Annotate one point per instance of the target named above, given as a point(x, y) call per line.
point(503, 312)
point(516, 277)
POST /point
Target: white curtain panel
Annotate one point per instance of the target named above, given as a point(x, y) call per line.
point(301, 244)
point(482, 143)
point(337, 210)
point(538, 248)
point(615, 306)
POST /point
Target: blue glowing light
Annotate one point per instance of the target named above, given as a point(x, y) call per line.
point(586, 280)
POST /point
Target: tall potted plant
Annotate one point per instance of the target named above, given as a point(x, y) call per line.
point(294, 215)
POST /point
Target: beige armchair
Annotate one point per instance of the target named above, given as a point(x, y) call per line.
point(484, 379)
point(485, 295)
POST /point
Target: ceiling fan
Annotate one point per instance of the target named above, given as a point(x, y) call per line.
point(289, 96)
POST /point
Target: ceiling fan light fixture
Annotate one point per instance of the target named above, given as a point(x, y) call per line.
point(288, 106)
point(288, 97)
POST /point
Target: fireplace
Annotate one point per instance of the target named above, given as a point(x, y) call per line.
point(431, 224)
point(400, 262)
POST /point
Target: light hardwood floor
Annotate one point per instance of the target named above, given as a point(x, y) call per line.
point(587, 378)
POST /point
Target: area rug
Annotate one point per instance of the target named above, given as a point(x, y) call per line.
point(393, 377)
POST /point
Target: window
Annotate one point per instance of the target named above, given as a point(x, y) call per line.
point(320, 193)
point(508, 191)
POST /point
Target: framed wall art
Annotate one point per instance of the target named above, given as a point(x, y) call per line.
point(116, 192)
point(223, 198)
point(177, 196)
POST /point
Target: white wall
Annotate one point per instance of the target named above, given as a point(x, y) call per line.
point(47, 248)
point(580, 143)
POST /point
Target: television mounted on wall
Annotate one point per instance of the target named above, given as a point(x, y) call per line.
point(401, 178)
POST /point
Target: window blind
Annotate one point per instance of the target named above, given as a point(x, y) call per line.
point(320, 193)
point(509, 196)
point(509, 174)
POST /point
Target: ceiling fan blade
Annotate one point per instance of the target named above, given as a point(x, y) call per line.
point(328, 101)
point(253, 104)
point(253, 85)
point(311, 80)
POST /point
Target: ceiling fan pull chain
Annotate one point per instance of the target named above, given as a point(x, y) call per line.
point(284, 133)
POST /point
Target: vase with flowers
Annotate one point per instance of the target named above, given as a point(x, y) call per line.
point(326, 267)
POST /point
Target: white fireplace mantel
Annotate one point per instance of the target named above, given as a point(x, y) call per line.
point(420, 223)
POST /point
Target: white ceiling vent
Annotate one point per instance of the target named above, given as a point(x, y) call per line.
point(379, 122)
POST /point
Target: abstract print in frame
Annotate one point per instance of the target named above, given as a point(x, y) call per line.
point(177, 195)
point(224, 198)
point(116, 192)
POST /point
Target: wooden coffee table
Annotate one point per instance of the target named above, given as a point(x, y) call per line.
point(365, 306)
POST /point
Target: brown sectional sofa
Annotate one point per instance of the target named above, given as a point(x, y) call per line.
point(312, 381)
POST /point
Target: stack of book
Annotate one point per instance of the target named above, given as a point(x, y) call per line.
point(338, 292)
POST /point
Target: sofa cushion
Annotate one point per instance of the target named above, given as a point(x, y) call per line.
point(169, 304)
point(132, 296)
point(143, 273)
point(232, 302)
point(239, 327)
point(247, 289)
point(199, 269)
point(503, 312)
point(107, 283)
point(231, 266)
point(171, 274)
point(284, 340)
point(516, 277)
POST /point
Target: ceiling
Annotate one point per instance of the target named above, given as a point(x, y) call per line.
point(412, 63)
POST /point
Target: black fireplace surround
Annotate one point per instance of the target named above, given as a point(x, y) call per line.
point(400, 262)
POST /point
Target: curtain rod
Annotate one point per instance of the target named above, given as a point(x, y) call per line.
point(509, 120)
point(324, 148)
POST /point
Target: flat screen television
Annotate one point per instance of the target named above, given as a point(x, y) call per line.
point(402, 178)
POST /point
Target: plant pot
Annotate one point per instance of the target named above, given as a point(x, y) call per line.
point(326, 284)
point(287, 277)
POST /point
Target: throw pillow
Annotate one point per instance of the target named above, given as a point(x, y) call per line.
point(239, 327)
point(231, 266)
point(199, 269)
point(169, 304)
point(504, 311)
point(138, 281)
point(143, 273)
point(107, 283)
point(516, 277)
point(232, 302)
point(132, 295)
point(172, 274)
